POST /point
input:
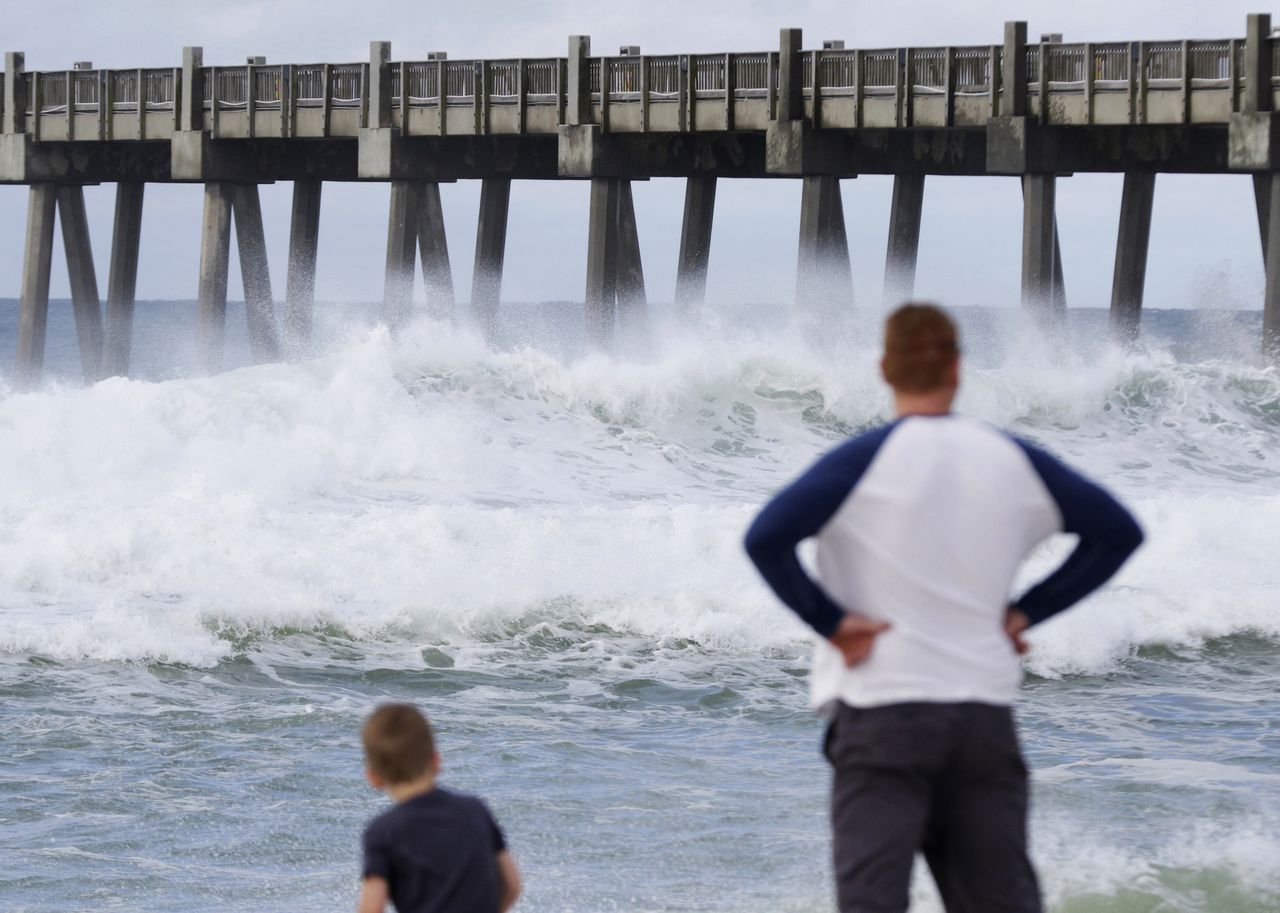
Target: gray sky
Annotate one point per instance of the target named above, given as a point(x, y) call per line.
point(1204, 244)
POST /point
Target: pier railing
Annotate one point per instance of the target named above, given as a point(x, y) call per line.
point(1156, 82)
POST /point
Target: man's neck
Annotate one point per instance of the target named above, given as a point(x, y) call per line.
point(411, 789)
point(935, 402)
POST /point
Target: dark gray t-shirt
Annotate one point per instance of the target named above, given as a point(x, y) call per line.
point(437, 852)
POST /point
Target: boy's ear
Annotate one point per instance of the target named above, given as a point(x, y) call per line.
point(374, 780)
point(436, 764)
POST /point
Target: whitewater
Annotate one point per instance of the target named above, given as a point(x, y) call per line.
point(206, 582)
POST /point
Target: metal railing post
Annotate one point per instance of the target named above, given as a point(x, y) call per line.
point(577, 91)
point(214, 102)
point(250, 98)
point(1186, 82)
point(606, 76)
point(644, 94)
point(326, 108)
point(69, 95)
point(857, 89)
point(15, 104)
point(191, 115)
point(104, 104)
point(36, 104)
point(1014, 77)
point(790, 76)
point(378, 85)
point(730, 80)
point(1143, 53)
point(142, 105)
point(1257, 63)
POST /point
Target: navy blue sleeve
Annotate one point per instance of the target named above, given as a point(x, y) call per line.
point(799, 512)
point(1108, 536)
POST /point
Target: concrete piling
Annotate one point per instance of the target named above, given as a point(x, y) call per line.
point(1257, 103)
point(402, 240)
point(904, 238)
point(433, 247)
point(1271, 301)
point(1038, 237)
point(1059, 281)
point(602, 260)
point(215, 253)
point(84, 282)
point(632, 301)
point(264, 341)
point(491, 246)
point(300, 281)
point(1262, 201)
point(695, 241)
point(122, 278)
point(824, 280)
point(1132, 242)
point(33, 316)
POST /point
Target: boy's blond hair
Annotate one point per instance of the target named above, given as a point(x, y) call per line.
point(398, 743)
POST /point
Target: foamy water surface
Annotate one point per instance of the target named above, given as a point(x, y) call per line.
point(206, 582)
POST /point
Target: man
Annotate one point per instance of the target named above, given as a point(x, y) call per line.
point(920, 526)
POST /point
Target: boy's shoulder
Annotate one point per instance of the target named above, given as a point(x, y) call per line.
point(433, 822)
point(438, 803)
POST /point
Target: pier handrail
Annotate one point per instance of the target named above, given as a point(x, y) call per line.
point(880, 87)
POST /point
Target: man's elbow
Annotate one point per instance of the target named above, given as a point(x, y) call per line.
point(759, 543)
point(1131, 537)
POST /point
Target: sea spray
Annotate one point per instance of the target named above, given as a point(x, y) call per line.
point(204, 582)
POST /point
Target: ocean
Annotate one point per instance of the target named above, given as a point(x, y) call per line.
point(207, 582)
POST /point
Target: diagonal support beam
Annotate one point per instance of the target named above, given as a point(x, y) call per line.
point(904, 238)
point(695, 241)
point(264, 341)
point(84, 281)
point(632, 300)
point(433, 248)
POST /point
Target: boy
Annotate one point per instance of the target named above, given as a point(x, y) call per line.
point(435, 851)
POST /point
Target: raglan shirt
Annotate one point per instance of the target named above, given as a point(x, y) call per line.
point(923, 523)
point(437, 852)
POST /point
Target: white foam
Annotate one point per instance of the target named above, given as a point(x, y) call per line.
point(435, 487)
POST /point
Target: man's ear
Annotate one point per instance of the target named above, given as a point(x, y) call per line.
point(436, 764)
point(374, 780)
point(953, 374)
point(883, 376)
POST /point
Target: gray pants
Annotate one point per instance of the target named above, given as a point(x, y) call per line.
point(944, 779)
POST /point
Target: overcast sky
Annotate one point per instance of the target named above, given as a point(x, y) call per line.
point(1204, 243)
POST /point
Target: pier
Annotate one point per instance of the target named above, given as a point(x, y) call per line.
point(1033, 111)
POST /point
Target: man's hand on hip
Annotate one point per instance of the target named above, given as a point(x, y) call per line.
point(1015, 623)
point(855, 637)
